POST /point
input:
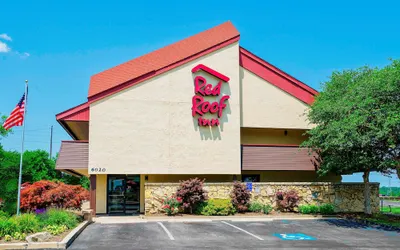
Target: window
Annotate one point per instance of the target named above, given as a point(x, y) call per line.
point(251, 178)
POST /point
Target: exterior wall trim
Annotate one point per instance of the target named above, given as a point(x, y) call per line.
point(93, 185)
point(157, 72)
point(276, 76)
point(71, 114)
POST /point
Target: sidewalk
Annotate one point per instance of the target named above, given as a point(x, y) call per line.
point(197, 218)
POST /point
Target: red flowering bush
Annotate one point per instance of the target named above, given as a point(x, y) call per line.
point(44, 194)
point(171, 204)
point(240, 197)
point(287, 201)
point(192, 193)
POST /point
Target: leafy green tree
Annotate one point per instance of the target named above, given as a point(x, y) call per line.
point(36, 166)
point(3, 132)
point(357, 117)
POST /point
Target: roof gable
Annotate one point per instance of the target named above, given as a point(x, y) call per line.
point(276, 76)
point(148, 65)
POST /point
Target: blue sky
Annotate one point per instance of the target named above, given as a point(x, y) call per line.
point(58, 45)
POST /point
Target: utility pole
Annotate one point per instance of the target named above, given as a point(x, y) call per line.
point(51, 141)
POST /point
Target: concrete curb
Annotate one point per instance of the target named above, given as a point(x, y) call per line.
point(66, 242)
point(14, 246)
point(127, 220)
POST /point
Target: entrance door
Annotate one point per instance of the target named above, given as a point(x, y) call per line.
point(123, 194)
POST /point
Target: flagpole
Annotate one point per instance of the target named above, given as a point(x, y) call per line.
point(22, 147)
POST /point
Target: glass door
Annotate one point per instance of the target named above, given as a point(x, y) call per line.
point(116, 194)
point(123, 194)
point(132, 194)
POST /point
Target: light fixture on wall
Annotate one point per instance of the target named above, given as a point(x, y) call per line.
point(285, 132)
point(146, 177)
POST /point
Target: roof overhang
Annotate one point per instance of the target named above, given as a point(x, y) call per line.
point(73, 157)
point(76, 121)
point(276, 76)
point(160, 61)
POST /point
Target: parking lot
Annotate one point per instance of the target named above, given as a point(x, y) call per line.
point(329, 233)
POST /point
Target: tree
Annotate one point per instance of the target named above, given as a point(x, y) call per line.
point(36, 166)
point(357, 117)
point(3, 132)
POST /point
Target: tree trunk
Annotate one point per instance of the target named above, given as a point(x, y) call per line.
point(367, 194)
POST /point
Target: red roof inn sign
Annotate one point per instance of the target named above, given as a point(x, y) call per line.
point(202, 89)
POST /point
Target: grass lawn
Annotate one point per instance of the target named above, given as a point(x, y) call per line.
point(395, 210)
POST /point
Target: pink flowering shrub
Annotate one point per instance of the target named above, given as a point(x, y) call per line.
point(240, 197)
point(171, 204)
point(192, 193)
point(287, 201)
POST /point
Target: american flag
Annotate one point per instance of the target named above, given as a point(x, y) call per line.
point(16, 117)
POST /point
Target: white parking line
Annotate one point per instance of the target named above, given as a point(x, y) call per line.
point(244, 231)
point(166, 230)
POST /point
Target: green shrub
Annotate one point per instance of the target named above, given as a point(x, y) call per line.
point(18, 236)
point(267, 209)
point(59, 217)
point(308, 209)
point(8, 226)
point(27, 223)
point(256, 206)
point(216, 207)
point(313, 209)
point(55, 229)
point(4, 215)
point(7, 237)
point(327, 209)
point(19, 225)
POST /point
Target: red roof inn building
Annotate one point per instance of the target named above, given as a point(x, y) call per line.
point(202, 107)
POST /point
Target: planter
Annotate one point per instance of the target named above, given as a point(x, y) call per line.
point(63, 244)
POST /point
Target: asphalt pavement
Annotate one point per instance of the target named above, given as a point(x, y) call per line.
point(315, 234)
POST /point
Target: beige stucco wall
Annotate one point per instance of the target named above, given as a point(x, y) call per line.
point(272, 136)
point(101, 193)
point(149, 128)
point(267, 106)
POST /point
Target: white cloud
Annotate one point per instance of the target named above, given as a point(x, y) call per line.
point(4, 47)
point(24, 55)
point(5, 37)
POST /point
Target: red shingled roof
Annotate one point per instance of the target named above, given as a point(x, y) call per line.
point(157, 60)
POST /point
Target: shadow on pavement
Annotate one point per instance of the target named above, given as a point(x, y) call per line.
point(352, 224)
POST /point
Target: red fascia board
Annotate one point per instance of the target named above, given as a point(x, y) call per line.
point(77, 113)
point(276, 76)
point(154, 73)
point(211, 72)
